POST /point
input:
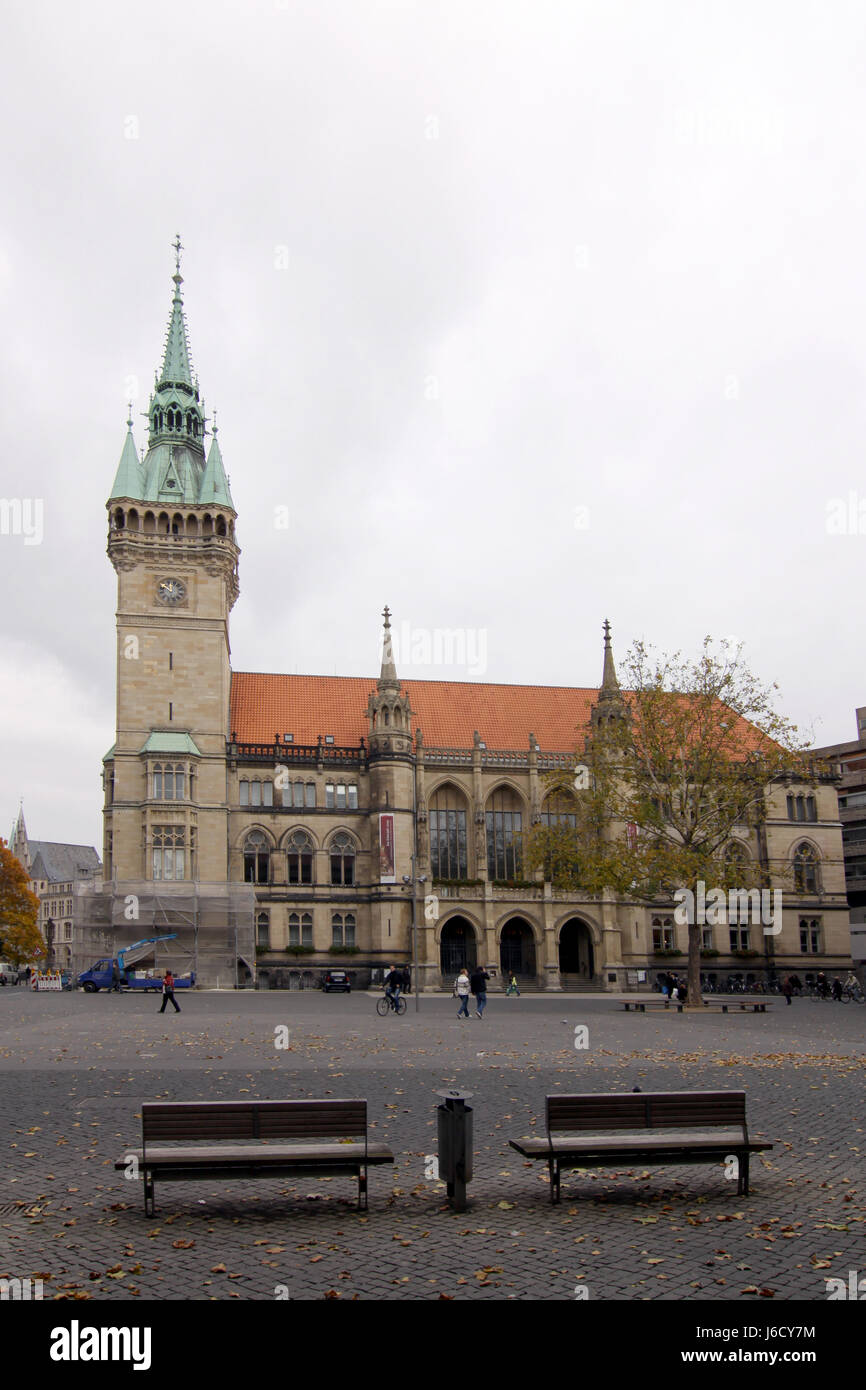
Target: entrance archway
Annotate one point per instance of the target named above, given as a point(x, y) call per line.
point(576, 954)
point(457, 946)
point(517, 949)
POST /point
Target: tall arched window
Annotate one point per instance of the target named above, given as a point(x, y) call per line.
point(256, 858)
point(805, 869)
point(169, 852)
point(342, 859)
point(300, 855)
point(446, 821)
point(263, 929)
point(504, 832)
point(559, 809)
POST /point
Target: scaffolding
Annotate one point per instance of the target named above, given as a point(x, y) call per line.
point(213, 925)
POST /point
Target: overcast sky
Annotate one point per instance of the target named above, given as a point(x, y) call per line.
point(530, 314)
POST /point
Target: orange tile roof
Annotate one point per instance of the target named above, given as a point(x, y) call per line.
point(447, 712)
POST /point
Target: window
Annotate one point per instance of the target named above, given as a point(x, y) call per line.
point(300, 854)
point(311, 795)
point(169, 852)
point(504, 829)
point(739, 938)
point(300, 929)
point(446, 820)
point(663, 934)
point(805, 869)
point(256, 858)
point(256, 793)
point(169, 782)
point(353, 796)
point(558, 810)
point(329, 738)
point(343, 929)
point(329, 796)
point(706, 938)
point(802, 808)
point(341, 797)
point(298, 794)
point(342, 859)
point(810, 935)
point(263, 929)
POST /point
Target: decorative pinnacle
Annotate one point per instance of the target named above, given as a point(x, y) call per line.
point(129, 419)
point(178, 247)
point(215, 429)
point(386, 614)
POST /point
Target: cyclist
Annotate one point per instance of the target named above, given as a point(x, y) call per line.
point(393, 984)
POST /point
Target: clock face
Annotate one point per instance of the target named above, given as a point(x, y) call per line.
point(171, 591)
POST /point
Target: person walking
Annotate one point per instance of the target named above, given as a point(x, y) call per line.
point(512, 985)
point(837, 989)
point(462, 990)
point(168, 992)
point(787, 988)
point(478, 985)
point(407, 980)
point(115, 977)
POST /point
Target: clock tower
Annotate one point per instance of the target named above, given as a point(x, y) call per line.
point(171, 540)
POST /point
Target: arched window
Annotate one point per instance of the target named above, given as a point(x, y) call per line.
point(221, 526)
point(504, 832)
point(342, 859)
point(446, 820)
point(337, 929)
point(256, 858)
point(169, 782)
point(169, 852)
point(559, 809)
point(300, 855)
point(300, 929)
point(805, 869)
point(343, 929)
point(263, 929)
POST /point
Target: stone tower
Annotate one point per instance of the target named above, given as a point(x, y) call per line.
point(392, 797)
point(171, 540)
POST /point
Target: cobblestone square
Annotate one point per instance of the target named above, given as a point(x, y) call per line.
point(74, 1070)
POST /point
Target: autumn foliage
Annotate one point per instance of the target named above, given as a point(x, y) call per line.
point(20, 939)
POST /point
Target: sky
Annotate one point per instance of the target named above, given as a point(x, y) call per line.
point(516, 317)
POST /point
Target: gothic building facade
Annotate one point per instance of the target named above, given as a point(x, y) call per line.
point(285, 824)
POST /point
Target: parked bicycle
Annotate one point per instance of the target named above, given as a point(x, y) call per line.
point(389, 1002)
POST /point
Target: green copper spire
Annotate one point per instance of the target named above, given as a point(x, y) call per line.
point(176, 368)
point(127, 481)
point(214, 484)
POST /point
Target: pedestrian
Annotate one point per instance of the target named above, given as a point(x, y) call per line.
point(115, 977)
point(478, 985)
point(461, 992)
point(822, 986)
point(787, 988)
point(665, 981)
point(168, 992)
point(512, 985)
point(837, 989)
point(407, 979)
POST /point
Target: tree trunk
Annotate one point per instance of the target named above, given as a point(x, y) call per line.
point(694, 998)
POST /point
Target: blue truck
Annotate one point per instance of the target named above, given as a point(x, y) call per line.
point(101, 975)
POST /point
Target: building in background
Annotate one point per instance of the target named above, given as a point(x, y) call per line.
point(58, 874)
point(851, 758)
point(283, 824)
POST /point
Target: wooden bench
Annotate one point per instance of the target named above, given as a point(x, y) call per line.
point(183, 1141)
point(641, 1005)
point(714, 1004)
point(663, 1127)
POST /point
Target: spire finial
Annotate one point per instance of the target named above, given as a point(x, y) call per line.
point(178, 247)
point(129, 418)
point(215, 429)
point(609, 683)
point(386, 614)
point(606, 626)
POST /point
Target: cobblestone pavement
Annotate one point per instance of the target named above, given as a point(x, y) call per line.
point(75, 1068)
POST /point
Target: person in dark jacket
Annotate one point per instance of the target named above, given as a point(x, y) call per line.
point(407, 979)
point(168, 992)
point(393, 984)
point(478, 984)
point(787, 988)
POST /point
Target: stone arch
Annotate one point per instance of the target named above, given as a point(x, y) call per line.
point(177, 526)
point(207, 524)
point(578, 940)
point(162, 524)
point(286, 837)
point(132, 521)
point(221, 525)
point(241, 836)
point(457, 938)
point(518, 939)
point(149, 524)
point(192, 525)
point(118, 519)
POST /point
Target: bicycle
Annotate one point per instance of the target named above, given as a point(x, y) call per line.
point(388, 1002)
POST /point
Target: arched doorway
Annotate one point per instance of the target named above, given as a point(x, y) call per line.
point(457, 946)
point(576, 954)
point(517, 949)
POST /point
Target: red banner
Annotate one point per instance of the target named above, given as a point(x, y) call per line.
point(387, 854)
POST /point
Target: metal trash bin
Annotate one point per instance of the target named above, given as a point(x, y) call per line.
point(454, 1124)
